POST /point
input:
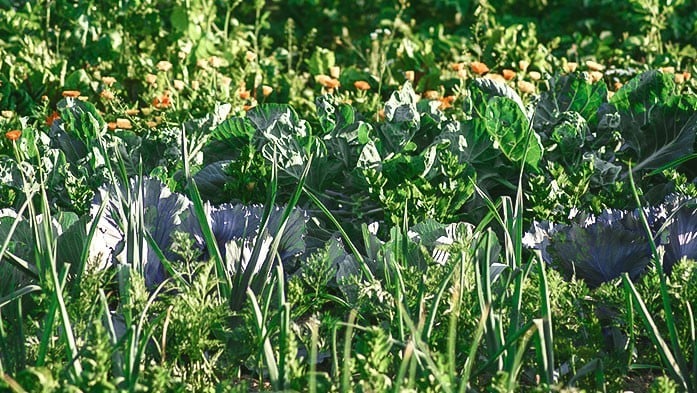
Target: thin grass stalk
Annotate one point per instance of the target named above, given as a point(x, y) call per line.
point(474, 347)
point(421, 347)
point(693, 338)
point(347, 362)
point(507, 346)
point(84, 254)
point(260, 279)
point(546, 330)
point(455, 305)
point(267, 351)
point(18, 293)
point(519, 354)
point(407, 353)
point(483, 283)
point(435, 304)
point(314, 344)
point(285, 329)
point(243, 278)
point(20, 264)
point(365, 269)
point(222, 273)
point(665, 296)
point(654, 334)
point(631, 339)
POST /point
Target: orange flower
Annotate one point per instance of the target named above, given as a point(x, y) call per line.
point(508, 74)
point(71, 93)
point(132, 112)
point(244, 94)
point(51, 118)
point(327, 81)
point(248, 107)
point(446, 102)
point(107, 95)
point(523, 65)
point(594, 66)
point(686, 75)
point(431, 95)
point(570, 67)
point(526, 87)
point(457, 66)
point(266, 90)
point(596, 76)
point(409, 75)
point(108, 80)
point(361, 85)
point(13, 135)
point(162, 101)
point(111, 125)
point(479, 68)
point(495, 77)
point(123, 124)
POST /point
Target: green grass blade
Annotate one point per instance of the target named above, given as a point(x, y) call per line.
point(474, 346)
point(546, 331)
point(365, 269)
point(268, 352)
point(18, 294)
point(654, 334)
point(208, 237)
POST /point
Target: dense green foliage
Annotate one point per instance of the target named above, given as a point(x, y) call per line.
point(348, 196)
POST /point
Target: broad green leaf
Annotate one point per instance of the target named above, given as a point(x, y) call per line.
point(402, 119)
point(510, 130)
point(668, 135)
point(234, 130)
point(641, 93)
point(482, 90)
point(569, 93)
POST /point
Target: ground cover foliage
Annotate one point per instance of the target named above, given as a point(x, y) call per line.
point(331, 196)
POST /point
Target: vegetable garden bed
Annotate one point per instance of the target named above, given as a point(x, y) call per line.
point(307, 196)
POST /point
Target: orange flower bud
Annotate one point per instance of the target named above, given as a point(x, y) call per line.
point(361, 85)
point(51, 118)
point(123, 124)
point(409, 75)
point(594, 66)
point(570, 67)
point(71, 93)
point(526, 87)
point(508, 74)
point(13, 135)
point(431, 95)
point(266, 90)
point(479, 68)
